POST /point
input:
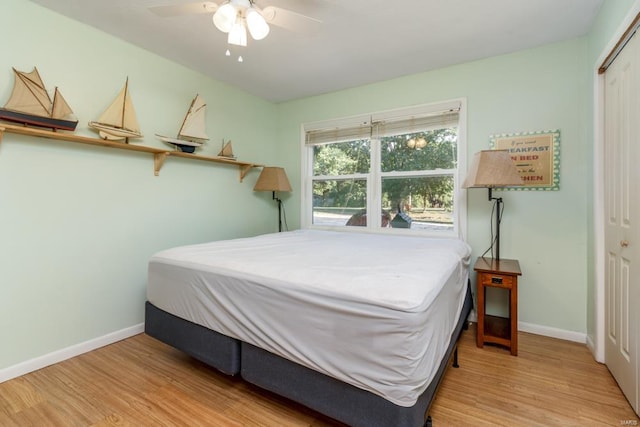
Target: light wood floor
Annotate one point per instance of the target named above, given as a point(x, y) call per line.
point(142, 382)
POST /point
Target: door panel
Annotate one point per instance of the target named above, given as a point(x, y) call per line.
point(622, 218)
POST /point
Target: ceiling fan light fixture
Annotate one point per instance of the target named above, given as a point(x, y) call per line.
point(238, 34)
point(225, 17)
point(258, 27)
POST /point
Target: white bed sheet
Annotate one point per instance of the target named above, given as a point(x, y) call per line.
point(375, 311)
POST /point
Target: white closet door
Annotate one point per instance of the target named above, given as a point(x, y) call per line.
point(622, 218)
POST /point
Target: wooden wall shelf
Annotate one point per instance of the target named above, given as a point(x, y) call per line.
point(159, 154)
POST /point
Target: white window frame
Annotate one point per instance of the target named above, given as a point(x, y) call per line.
point(374, 177)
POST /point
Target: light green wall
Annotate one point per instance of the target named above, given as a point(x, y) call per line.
point(79, 223)
point(609, 20)
point(538, 89)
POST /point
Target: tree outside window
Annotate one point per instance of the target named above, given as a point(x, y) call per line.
point(405, 175)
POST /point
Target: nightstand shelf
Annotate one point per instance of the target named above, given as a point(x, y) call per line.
point(502, 274)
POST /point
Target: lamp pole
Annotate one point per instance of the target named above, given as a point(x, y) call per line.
point(498, 220)
point(279, 211)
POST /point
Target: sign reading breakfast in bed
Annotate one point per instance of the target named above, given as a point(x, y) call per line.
point(536, 156)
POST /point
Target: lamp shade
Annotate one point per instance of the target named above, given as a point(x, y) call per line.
point(225, 17)
point(272, 179)
point(258, 27)
point(492, 168)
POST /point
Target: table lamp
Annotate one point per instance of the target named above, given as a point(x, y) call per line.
point(273, 179)
point(493, 169)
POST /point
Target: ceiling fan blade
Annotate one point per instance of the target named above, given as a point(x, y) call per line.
point(184, 9)
point(290, 20)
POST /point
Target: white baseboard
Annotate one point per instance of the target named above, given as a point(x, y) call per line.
point(553, 332)
point(591, 344)
point(544, 330)
point(67, 353)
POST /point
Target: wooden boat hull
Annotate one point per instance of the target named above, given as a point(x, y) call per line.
point(183, 145)
point(186, 148)
point(40, 121)
point(113, 133)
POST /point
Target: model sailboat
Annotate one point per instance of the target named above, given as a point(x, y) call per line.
point(227, 150)
point(192, 133)
point(119, 120)
point(30, 104)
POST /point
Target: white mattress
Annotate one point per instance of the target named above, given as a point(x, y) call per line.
point(375, 311)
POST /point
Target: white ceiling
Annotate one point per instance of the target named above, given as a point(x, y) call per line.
point(358, 41)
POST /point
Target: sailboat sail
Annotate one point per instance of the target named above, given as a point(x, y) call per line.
point(119, 120)
point(192, 133)
point(194, 122)
point(29, 103)
point(29, 94)
point(60, 109)
point(227, 150)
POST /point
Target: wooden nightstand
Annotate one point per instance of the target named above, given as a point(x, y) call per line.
point(503, 274)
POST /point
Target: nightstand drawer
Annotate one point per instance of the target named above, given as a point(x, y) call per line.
point(497, 280)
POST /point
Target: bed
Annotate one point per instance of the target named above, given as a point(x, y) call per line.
point(358, 326)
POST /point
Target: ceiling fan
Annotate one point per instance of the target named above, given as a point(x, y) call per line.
point(235, 17)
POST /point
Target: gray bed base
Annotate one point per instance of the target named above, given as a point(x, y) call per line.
point(331, 397)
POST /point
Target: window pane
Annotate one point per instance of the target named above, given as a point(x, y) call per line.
point(419, 203)
point(342, 158)
point(436, 149)
point(339, 202)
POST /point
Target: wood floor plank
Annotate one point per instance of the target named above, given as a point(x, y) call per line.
point(550, 383)
point(18, 395)
point(143, 382)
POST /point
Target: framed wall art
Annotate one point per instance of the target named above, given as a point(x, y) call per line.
point(536, 155)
